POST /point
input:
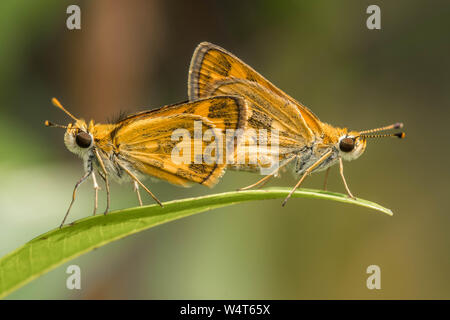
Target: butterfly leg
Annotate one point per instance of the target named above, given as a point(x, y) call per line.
point(264, 180)
point(96, 188)
point(326, 179)
point(341, 170)
point(105, 177)
point(74, 193)
point(307, 172)
point(136, 189)
point(140, 183)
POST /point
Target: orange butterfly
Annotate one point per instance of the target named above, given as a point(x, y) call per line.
point(313, 145)
point(143, 144)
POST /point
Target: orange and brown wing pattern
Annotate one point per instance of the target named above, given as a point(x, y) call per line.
point(146, 140)
point(269, 114)
point(266, 110)
point(211, 64)
point(225, 112)
point(147, 145)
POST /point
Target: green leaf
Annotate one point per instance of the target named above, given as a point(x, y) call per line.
point(58, 246)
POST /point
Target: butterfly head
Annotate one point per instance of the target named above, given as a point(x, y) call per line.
point(78, 139)
point(352, 144)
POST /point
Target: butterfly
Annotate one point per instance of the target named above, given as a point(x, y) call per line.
point(303, 139)
point(145, 144)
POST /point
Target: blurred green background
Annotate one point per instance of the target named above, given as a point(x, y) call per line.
point(134, 55)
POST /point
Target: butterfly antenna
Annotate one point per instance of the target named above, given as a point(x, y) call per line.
point(397, 125)
point(51, 124)
point(57, 104)
point(400, 135)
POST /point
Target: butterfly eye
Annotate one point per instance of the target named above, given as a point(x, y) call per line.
point(347, 144)
point(83, 139)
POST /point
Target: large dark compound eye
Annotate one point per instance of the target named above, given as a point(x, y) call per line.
point(83, 139)
point(347, 144)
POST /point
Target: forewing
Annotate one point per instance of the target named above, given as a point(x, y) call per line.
point(266, 110)
point(146, 139)
point(225, 112)
point(147, 145)
point(211, 64)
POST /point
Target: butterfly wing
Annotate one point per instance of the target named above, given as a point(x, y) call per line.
point(211, 64)
point(225, 112)
point(146, 140)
